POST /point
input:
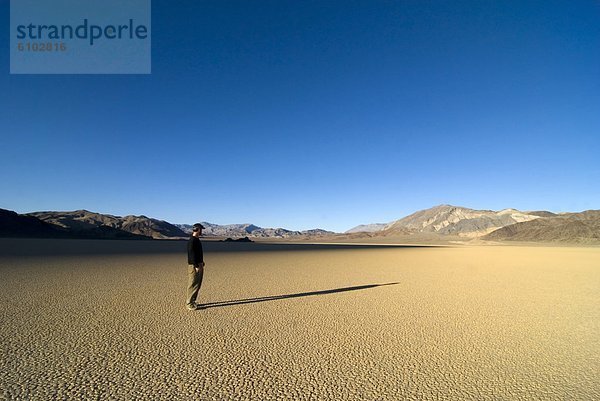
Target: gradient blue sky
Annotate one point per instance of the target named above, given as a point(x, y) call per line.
point(303, 114)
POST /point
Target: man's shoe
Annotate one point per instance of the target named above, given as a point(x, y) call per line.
point(192, 306)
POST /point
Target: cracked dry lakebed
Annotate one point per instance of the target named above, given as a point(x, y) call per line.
point(106, 320)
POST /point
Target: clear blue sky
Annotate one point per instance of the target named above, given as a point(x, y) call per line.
point(303, 114)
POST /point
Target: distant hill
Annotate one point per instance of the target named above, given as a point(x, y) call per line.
point(252, 231)
point(154, 228)
point(84, 223)
point(367, 228)
point(581, 227)
point(542, 213)
point(216, 230)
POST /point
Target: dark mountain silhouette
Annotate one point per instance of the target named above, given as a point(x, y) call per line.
point(16, 225)
point(245, 239)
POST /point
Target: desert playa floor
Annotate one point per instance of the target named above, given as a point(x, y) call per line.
point(105, 320)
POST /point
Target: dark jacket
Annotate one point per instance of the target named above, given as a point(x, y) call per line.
point(195, 254)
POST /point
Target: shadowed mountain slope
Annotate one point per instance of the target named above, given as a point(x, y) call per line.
point(16, 225)
point(581, 227)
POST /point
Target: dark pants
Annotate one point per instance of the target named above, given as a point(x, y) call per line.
point(194, 283)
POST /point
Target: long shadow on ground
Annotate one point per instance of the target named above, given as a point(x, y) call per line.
point(286, 296)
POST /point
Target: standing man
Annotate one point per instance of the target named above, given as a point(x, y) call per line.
point(195, 268)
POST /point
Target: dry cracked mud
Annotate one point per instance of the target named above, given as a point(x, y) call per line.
point(463, 323)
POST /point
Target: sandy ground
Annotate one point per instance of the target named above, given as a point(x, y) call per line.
point(313, 323)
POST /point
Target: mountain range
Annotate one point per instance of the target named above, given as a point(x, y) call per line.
point(250, 230)
point(455, 222)
point(86, 224)
point(451, 220)
point(439, 223)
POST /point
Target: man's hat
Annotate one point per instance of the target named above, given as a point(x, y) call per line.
point(197, 227)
